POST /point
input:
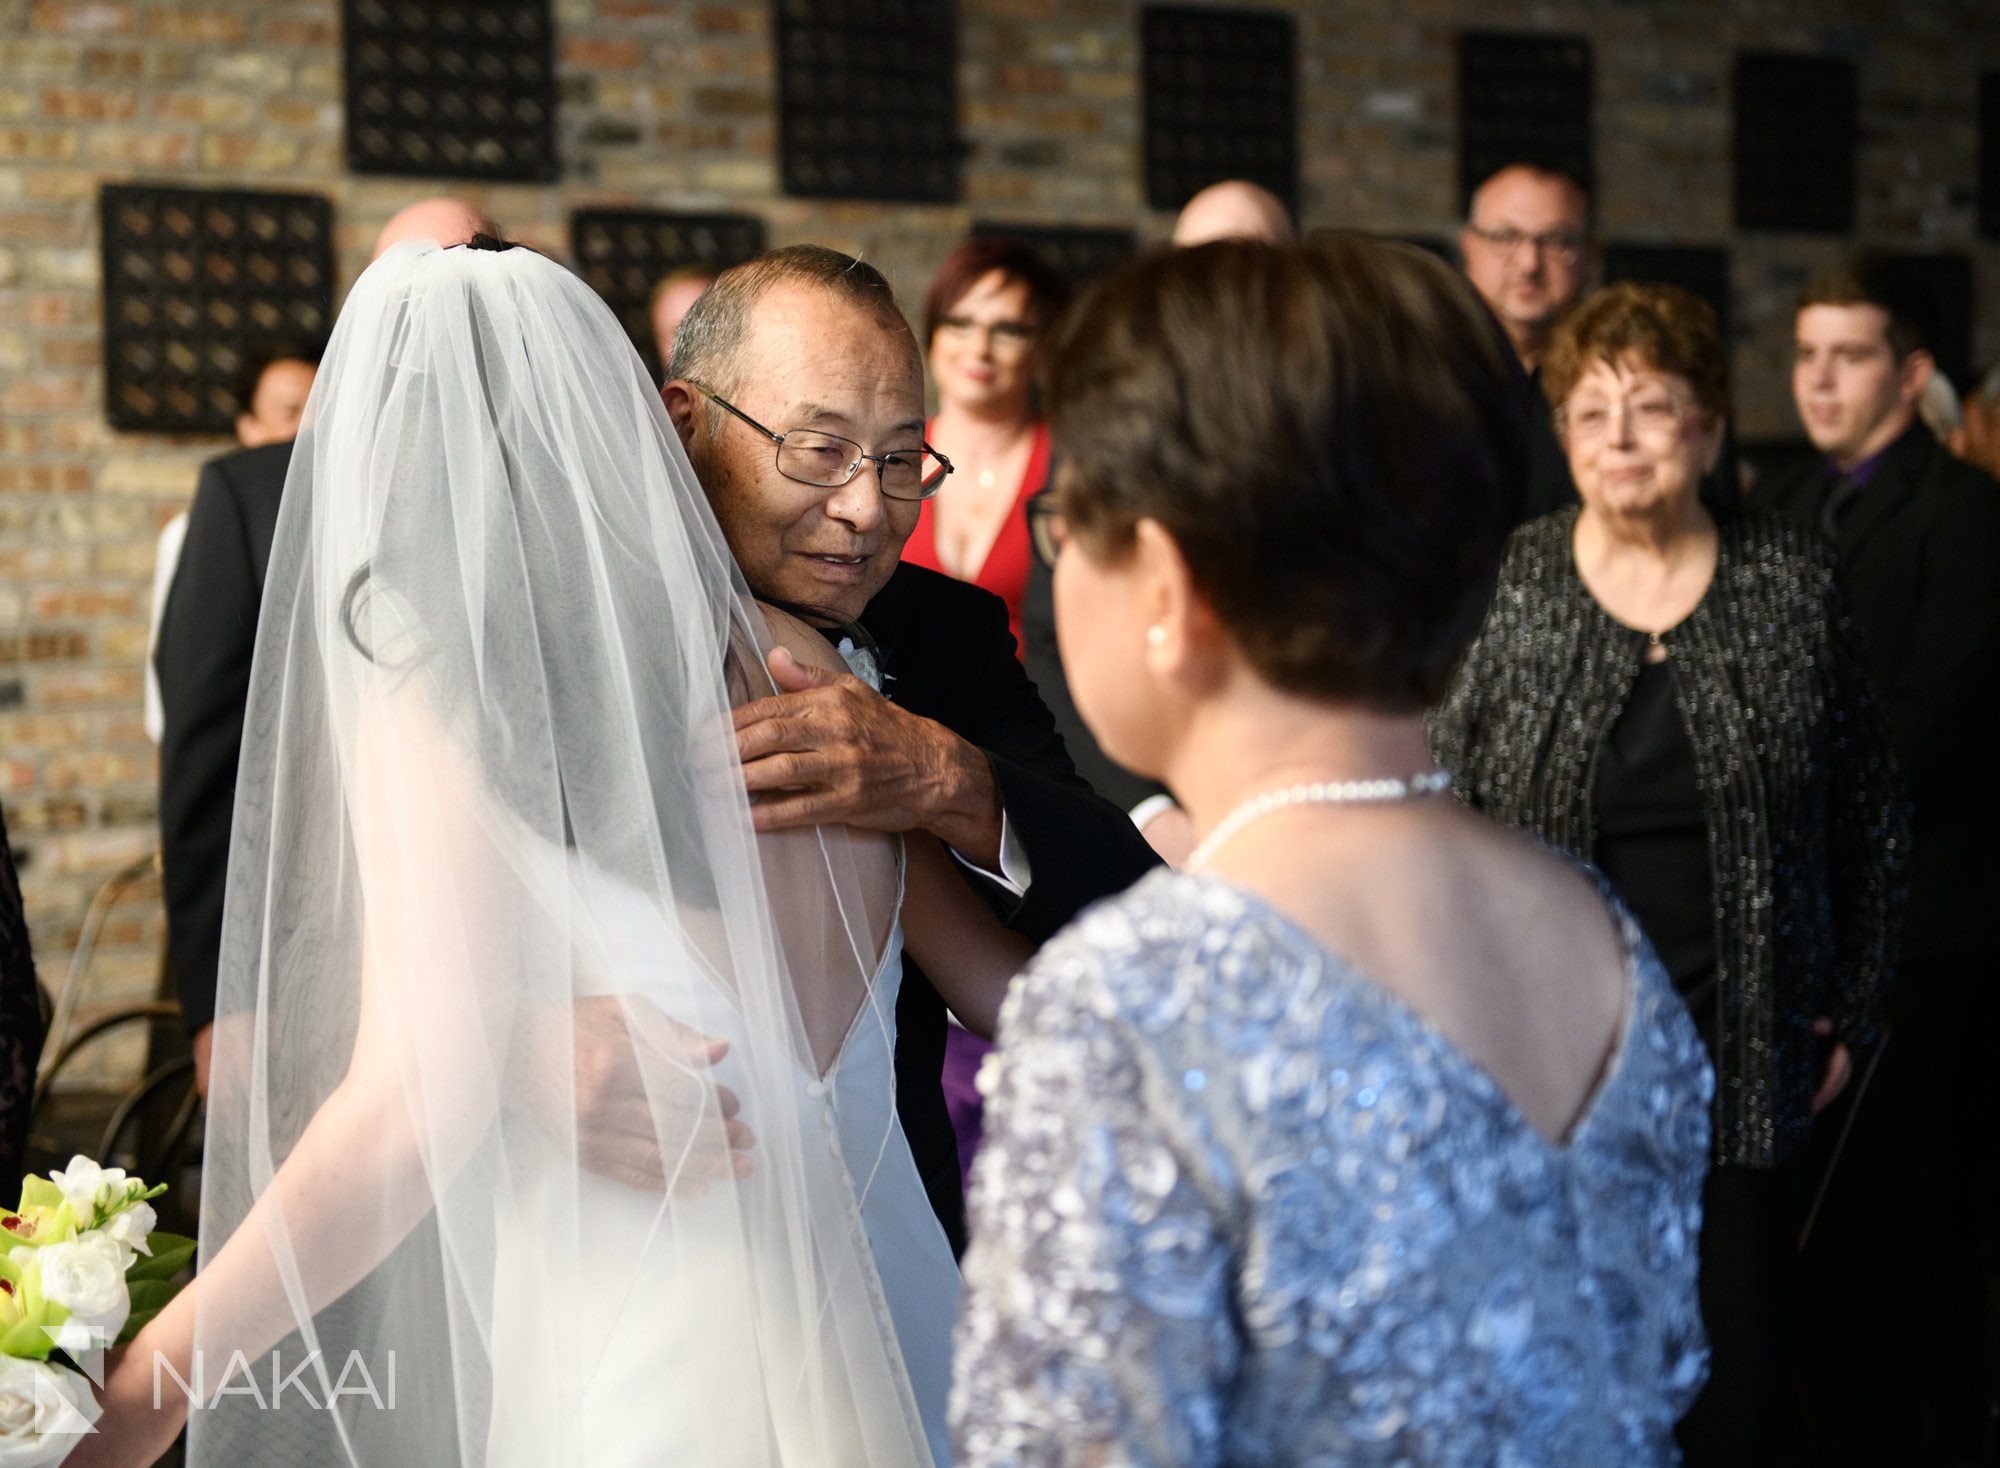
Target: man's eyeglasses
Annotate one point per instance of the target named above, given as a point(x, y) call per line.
point(1047, 529)
point(827, 461)
point(1557, 244)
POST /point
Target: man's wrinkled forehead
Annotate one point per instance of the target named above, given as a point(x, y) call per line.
point(826, 348)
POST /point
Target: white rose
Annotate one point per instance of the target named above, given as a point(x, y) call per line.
point(85, 1186)
point(128, 1229)
point(43, 1411)
point(87, 1278)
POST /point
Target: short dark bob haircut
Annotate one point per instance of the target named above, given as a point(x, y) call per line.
point(1333, 432)
point(979, 257)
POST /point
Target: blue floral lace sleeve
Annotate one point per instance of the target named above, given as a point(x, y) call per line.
point(1098, 1313)
point(1237, 1204)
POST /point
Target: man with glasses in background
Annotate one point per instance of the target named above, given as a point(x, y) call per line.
point(797, 388)
point(1529, 251)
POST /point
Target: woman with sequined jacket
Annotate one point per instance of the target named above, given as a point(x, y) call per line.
point(1684, 703)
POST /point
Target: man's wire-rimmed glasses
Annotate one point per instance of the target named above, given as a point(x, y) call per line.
point(828, 461)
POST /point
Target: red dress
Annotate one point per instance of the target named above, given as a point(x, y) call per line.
point(1005, 570)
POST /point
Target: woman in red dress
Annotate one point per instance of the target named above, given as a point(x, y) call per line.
point(983, 318)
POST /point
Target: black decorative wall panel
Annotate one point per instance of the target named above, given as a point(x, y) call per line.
point(868, 99)
point(1523, 97)
point(622, 253)
point(198, 283)
point(1076, 252)
point(1947, 279)
point(458, 88)
point(1989, 155)
point(1221, 101)
point(1700, 269)
point(1796, 143)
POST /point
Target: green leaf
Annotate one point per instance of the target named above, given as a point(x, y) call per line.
point(171, 1253)
point(149, 1298)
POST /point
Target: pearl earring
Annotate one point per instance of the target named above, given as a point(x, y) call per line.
point(1156, 636)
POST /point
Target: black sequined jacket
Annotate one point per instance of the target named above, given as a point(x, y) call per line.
point(1808, 828)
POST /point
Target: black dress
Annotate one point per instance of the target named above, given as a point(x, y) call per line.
point(1652, 837)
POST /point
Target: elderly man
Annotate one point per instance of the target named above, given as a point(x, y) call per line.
point(808, 339)
point(1529, 252)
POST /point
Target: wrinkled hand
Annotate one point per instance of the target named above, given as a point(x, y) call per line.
point(829, 750)
point(131, 1433)
point(1839, 1069)
point(681, 1133)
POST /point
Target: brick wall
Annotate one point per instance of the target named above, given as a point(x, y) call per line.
point(672, 105)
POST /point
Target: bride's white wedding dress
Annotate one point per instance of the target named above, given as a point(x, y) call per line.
point(664, 1383)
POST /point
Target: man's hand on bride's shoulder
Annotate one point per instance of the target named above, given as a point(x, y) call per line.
point(645, 1091)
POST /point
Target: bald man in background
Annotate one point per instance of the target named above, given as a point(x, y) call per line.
point(1234, 209)
point(208, 629)
point(448, 221)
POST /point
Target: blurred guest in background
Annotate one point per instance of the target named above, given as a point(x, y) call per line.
point(983, 315)
point(1977, 441)
point(1234, 209)
point(20, 1022)
point(1918, 535)
point(273, 390)
point(1301, 1154)
point(673, 293)
point(1530, 251)
point(1687, 705)
point(448, 221)
point(1941, 410)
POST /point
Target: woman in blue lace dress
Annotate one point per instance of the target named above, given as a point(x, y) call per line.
point(1377, 1133)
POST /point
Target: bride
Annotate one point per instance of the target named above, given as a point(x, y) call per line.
point(488, 790)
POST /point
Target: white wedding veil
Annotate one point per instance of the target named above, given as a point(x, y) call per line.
point(488, 812)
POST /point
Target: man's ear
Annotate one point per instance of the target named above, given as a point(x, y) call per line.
point(680, 400)
point(1915, 375)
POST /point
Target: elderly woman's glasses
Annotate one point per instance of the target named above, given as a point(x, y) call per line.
point(1656, 414)
point(827, 461)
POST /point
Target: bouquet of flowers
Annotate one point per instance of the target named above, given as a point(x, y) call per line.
point(81, 1267)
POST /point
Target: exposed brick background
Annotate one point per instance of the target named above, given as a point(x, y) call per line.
point(671, 105)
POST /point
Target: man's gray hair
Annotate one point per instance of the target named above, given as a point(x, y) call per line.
point(711, 334)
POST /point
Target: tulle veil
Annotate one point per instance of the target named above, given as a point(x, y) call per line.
point(489, 715)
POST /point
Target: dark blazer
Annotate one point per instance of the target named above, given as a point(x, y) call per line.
point(947, 655)
point(20, 1022)
point(208, 631)
point(1920, 554)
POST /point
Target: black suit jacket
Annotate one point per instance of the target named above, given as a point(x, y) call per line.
point(1920, 550)
point(208, 631)
point(948, 656)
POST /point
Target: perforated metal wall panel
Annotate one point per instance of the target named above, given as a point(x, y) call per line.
point(1989, 155)
point(868, 99)
point(198, 283)
point(1702, 269)
point(623, 253)
point(1077, 252)
point(1796, 143)
point(460, 88)
point(1523, 97)
point(1221, 101)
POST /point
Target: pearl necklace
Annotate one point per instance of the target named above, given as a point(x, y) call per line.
point(1321, 792)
